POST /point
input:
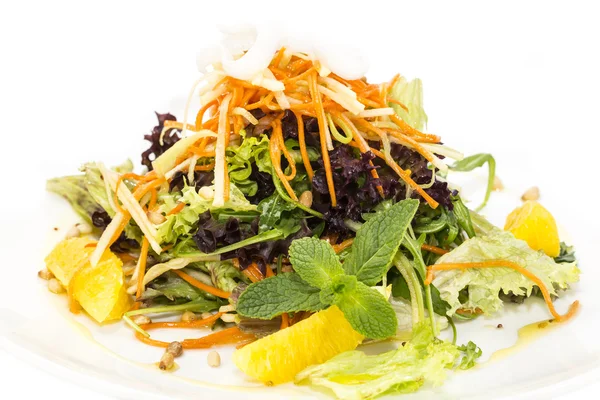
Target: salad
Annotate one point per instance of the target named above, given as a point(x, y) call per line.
point(299, 212)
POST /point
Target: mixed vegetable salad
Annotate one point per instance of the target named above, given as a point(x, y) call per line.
point(299, 213)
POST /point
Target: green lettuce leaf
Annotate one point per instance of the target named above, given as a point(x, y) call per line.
point(240, 158)
point(355, 375)
point(485, 284)
point(409, 93)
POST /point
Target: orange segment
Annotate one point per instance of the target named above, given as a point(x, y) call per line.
point(279, 357)
point(534, 224)
point(67, 257)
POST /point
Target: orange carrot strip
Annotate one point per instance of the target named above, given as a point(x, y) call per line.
point(207, 167)
point(433, 249)
point(226, 336)
point(338, 248)
point(316, 96)
point(409, 130)
point(288, 157)
point(398, 103)
point(303, 151)
point(202, 286)
point(514, 266)
point(285, 321)
point(176, 209)
point(275, 154)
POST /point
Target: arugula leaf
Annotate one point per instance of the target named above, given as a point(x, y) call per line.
point(567, 254)
point(368, 311)
point(270, 210)
point(472, 353)
point(475, 161)
point(315, 261)
point(463, 216)
point(277, 295)
point(378, 240)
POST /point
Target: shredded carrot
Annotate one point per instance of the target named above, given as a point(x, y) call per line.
point(200, 115)
point(514, 266)
point(288, 157)
point(176, 209)
point(398, 103)
point(202, 286)
point(207, 167)
point(285, 321)
point(269, 272)
point(142, 268)
point(316, 96)
point(275, 153)
point(226, 336)
point(192, 324)
point(409, 130)
point(433, 249)
point(302, 143)
point(278, 57)
point(168, 247)
point(91, 245)
point(338, 248)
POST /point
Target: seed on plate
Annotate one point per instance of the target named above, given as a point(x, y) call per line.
point(214, 359)
point(141, 320)
point(166, 361)
point(175, 348)
point(84, 228)
point(228, 318)
point(188, 316)
point(206, 192)
point(156, 217)
point(73, 232)
point(55, 287)
point(500, 326)
point(45, 274)
point(306, 198)
point(498, 185)
point(532, 193)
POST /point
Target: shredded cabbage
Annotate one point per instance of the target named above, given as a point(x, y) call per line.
point(410, 93)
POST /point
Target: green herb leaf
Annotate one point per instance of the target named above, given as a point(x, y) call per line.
point(475, 161)
point(368, 311)
point(472, 353)
point(315, 261)
point(378, 240)
point(567, 254)
point(279, 294)
point(463, 216)
point(271, 209)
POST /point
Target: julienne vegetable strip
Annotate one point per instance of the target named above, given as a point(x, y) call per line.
point(319, 184)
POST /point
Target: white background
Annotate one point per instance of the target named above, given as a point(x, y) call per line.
point(518, 74)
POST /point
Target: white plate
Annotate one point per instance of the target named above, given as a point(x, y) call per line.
point(39, 328)
point(491, 101)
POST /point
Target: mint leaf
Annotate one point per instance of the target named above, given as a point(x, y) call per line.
point(472, 353)
point(368, 312)
point(315, 261)
point(279, 294)
point(378, 240)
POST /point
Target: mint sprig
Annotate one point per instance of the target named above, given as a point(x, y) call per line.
point(321, 280)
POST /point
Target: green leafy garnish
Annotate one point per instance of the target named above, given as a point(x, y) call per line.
point(277, 295)
point(378, 240)
point(315, 261)
point(475, 161)
point(321, 276)
point(472, 353)
point(355, 375)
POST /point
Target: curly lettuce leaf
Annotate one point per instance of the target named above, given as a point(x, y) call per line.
point(240, 158)
point(409, 93)
point(485, 284)
point(184, 222)
point(355, 375)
